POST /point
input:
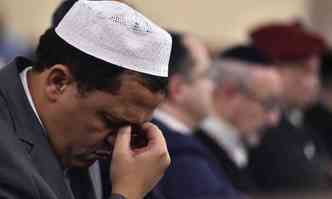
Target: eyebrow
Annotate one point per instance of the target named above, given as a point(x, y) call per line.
point(112, 119)
point(121, 121)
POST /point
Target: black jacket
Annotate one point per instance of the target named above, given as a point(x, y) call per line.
point(319, 118)
point(288, 159)
point(240, 177)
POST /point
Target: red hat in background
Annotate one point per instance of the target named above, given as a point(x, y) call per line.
point(283, 43)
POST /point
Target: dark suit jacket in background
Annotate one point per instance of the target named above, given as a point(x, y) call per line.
point(288, 159)
point(193, 172)
point(319, 118)
point(240, 177)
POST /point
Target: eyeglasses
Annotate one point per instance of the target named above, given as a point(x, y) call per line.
point(270, 104)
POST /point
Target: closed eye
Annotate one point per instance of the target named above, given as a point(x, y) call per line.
point(112, 123)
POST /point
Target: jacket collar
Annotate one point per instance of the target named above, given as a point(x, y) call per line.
point(29, 130)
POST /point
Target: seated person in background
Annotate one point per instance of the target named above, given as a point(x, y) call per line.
point(319, 117)
point(288, 157)
point(245, 101)
point(194, 173)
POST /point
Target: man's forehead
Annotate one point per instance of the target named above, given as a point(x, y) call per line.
point(133, 104)
point(308, 64)
point(133, 87)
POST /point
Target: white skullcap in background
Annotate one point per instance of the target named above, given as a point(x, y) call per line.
point(118, 34)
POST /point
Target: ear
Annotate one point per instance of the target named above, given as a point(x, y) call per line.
point(175, 87)
point(57, 81)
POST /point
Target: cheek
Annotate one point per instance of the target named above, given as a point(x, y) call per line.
point(254, 115)
point(306, 90)
point(306, 82)
point(206, 87)
point(311, 83)
point(202, 93)
point(94, 132)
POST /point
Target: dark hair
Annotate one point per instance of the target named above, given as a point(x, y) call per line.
point(245, 53)
point(89, 72)
point(326, 70)
point(61, 11)
point(181, 60)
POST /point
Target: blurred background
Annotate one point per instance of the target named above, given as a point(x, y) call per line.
point(219, 22)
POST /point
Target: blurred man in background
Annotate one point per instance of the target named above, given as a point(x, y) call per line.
point(245, 101)
point(289, 158)
point(193, 173)
point(319, 117)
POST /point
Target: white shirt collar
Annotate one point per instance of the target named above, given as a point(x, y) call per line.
point(94, 169)
point(24, 80)
point(172, 122)
point(227, 137)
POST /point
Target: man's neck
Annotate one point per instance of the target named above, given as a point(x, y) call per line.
point(228, 138)
point(180, 115)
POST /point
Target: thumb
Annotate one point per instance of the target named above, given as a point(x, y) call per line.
point(122, 142)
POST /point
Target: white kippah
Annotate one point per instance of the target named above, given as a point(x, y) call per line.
point(118, 34)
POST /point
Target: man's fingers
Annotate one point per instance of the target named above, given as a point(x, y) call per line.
point(122, 142)
point(153, 134)
point(157, 143)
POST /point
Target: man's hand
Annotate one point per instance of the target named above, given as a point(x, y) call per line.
point(136, 171)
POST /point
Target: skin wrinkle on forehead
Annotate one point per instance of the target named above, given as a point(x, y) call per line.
point(144, 97)
point(142, 101)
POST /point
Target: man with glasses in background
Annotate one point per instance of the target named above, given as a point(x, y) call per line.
point(245, 101)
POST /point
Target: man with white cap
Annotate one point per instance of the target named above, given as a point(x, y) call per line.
point(98, 77)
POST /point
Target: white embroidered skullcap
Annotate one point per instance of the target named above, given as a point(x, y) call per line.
point(118, 34)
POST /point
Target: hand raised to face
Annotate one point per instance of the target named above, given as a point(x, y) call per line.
point(135, 171)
